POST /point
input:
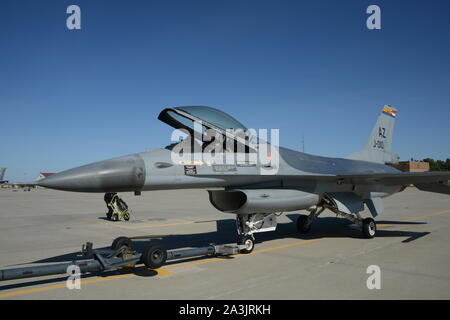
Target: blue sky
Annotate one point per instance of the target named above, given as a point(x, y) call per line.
point(309, 68)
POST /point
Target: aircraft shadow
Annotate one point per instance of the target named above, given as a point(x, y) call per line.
point(323, 227)
point(334, 227)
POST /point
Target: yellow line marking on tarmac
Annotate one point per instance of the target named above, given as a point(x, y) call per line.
point(164, 271)
point(188, 264)
point(16, 293)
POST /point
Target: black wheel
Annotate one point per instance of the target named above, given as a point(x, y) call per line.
point(122, 242)
point(303, 226)
point(109, 214)
point(369, 228)
point(154, 256)
point(126, 216)
point(249, 244)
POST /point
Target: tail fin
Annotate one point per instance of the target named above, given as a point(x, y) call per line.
point(378, 146)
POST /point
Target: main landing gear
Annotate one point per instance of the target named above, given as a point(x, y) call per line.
point(368, 226)
point(304, 222)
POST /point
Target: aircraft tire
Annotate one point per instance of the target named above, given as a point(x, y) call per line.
point(302, 226)
point(249, 243)
point(154, 256)
point(122, 242)
point(369, 228)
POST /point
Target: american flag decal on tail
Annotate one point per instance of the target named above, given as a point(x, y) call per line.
point(389, 111)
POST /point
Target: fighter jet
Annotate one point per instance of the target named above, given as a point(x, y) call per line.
point(280, 180)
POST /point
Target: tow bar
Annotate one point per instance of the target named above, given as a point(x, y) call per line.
point(121, 254)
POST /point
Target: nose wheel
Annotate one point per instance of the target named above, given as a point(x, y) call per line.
point(249, 244)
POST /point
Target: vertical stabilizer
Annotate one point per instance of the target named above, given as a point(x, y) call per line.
point(379, 145)
point(2, 173)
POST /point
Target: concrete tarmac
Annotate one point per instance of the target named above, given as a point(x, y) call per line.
point(45, 226)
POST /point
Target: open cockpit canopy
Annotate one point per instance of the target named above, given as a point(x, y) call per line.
point(207, 118)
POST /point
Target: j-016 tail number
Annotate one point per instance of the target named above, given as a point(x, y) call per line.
point(377, 144)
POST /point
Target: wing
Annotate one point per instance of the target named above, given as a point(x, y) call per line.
point(436, 181)
point(400, 178)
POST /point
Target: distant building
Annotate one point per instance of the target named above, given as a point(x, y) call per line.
point(412, 166)
point(43, 175)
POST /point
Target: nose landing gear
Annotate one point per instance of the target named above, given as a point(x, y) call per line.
point(248, 224)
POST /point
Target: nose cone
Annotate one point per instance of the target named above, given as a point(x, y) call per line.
point(114, 175)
